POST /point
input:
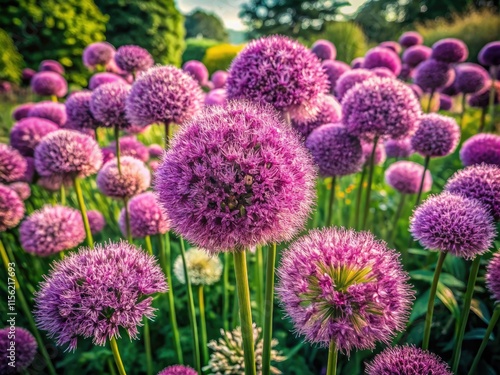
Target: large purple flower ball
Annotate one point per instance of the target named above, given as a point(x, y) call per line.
point(236, 177)
point(392, 45)
point(130, 146)
point(26, 133)
point(380, 107)
point(367, 148)
point(334, 277)
point(98, 54)
point(22, 111)
point(410, 38)
point(164, 94)
point(382, 57)
point(108, 104)
point(155, 150)
point(415, 55)
point(432, 74)
point(450, 50)
point(349, 79)
point(51, 66)
point(357, 63)
point(178, 370)
point(219, 79)
point(55, 112)
point(133, 59)
point(324, 50)
point(112, 285)
point(49, 84)
point(398, 148)
point(470, 78)
point(334, 69)
point(454, 223)
point(12, 164)
point(493, 276)
point(481, 148)
point(17, 346)
point(490, 54)
point(30, 170)
point(146, 217)
point(11, 208)
point(22, 189)
point(96, 221)
point(133, 179)
point(102, 78)
point(197, 70)
point(436, 136)
point(405, 177)
point(445, 102)
point(79, 115)
point(481, 99)
point(330, 112)
point(216, 97)
point(279, 71)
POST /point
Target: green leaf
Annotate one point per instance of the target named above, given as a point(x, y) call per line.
point(420, 252)
point(419, 307)
point(445, 278)
point(477, 334)
point(446, 296)
point(479, 308)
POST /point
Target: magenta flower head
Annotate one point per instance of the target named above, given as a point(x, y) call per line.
point(330, 112)
point(382, 57)
point(445, 102)
point(22, 111)
point(470, 78)
point(98, 54)
point(11, 208)
point(102, 78)
point(324, 50)
point(349, 79)
point(481, 99)
point(24, 351)
point(406, 72)
point(410, 38)
point(79, 116)
point(407, 360)
point(178, 370)
point(334, 150)
point(398, 148)
point(51, 229)
point(30, 170)
point(417, 90)
point(155, 150)
point(279, 71)
point(219, 79)
point(334, 69)
point(53, 183)
point(235, 177)
point(383, 72)
point(112, 285)
point(146, 217)
point(436, 136)
point(12, 164)
point(367, 149)
point(96, 221)
point(450, 50)
point(216, 97)
point(432, 74)
point(493, 276)
point(133, 59)
point(415, 55)
point(108, 103)
point(26, 133)
point(22, 189)
point(130, 146)
point(164, 94)
point(344, 286)
point(197, 70)
point(67, 153)
point(357, 63)
point(405, 177)
point(48, 84)
point(134, 178)
point(27, 74)
point(490, 54)
point(393, 46)
point(481, 148)
point(51, 66)
point(107, 154)
point(55, 112)
point(380, 107)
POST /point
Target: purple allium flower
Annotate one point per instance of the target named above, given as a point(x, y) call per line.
point(235, 177)
point(450, 50)
point(96, 221)
point(346, 286)
point(11, 208)
point(481, 148)
point(27, 74)
point(155, 150)
point(432, 74)
point(154, 165)
point(53, 183)
point(357, 63)
point(382, 57)
point(30, 170)
point(26, 133)
point(415, 55)
point(102, 78)
point(51, 66)
point(49, 83)
point(279, 71)
point(405, 177)
point(407, 360)
point(398, 148)
point(67, 153)
point(108, 104)
point(334, 69)
point(481, 182)
point(417, 90)
point(134, 179)
point(406, 72)
point(324, 50)
point(490, 54)
point(330, 112)
point(99, 53)
point(51, 229)
point(219, 79)
point(216, 97)
point(133, 59)
point(24, 351)
point(164, 94)
point(380, 107)
point(334, 150)
point(107, 154)
point(470, 78)
point(493, 276)
point(22, 189)
point(445, 102)
point(453, 223)
point(383, 72)
point(197, 70)
point(55, 112)
point(130, 146)
point(450, 89)
point(146, 217)
point(79, 116)
point(112, 285)
point(481, 99)
point(436, 135)
point(12, 164)
point(393, 46)
point(178, 370)
point(349, 79)
point(367, 149)
point(22, 111)
point(410, 38)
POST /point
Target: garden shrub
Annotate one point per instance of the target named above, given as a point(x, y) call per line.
point(196, 48)
point(219, 57)
point(11, 60)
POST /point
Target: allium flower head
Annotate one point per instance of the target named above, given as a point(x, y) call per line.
point(146, 217)
point(334, 69)
point(133, 59)
point(341, 285)
point(406, 72)
point(324, 50)
point(398, 148)
point(22, 111)
point(415, 55)
point(349, 79)
point(79, 116)
point(49, 83)
point(481, 99)
point(393, 46)
point(51, 66)
point(445, 102)
point(11, 208)
point(279, 71)
point(367, 149)
point(99, 53)
point(407, 360)
point(330, 112)
point(490, 54)
point(450, 50)
point(55, 112)
point(164, 94)
point(436, 135)
point(130, 146)
point(405, 177)
point(216, 97)
point(202, 267)
point(454, 223)
point(380, 107)
point(108, 103)
point(25, 349)
point(53, 183)
point(178, 370)
point(102, 78)
point(481, 148)
point(235, 177)
point(383, 72)
point(493, 276)
point(410, 38)
point(30, 170)
point(155, 150)
point(27, 74)
point(432, 74)
point(134, 179)
point(357, 63)
point(470, 78)
point(219, 79)
point(154, 165)
point(96, 221)
point(26, 133)
point(197, 70)
point(112, 286)
point(382, 57)
point(22, 189)
point(12, 164)
point(417, 90)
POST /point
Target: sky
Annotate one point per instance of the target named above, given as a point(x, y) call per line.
point(228, 10)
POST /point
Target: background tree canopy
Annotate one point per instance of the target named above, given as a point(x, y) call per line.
point(10, 59)
point(206, 25)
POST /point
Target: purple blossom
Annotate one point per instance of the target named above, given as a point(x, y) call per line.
point(12, 164)
point(134, 178)
point(107, 154)
point(99, 53)
point(357, 63)
point(450, 50)
point(26, 133)
point(432, 74)
point(367, 149)
point(481, 99)
point(30, 170)
point(349, 79)
point(470, 78)
point(216, 97)
point(393, 46)
point(48, 84)
point(130, 146)
point(53, 183)
point(146, 217)
point(382, 57)
point(398, 148)
point(55, 112)
point(79, 116)
point(25, 349)
point(415, 55)
point(102, 78)
point(96, 221)
point(178, 370)
point(445, 102)
point(324, 50)
point(133, 59)
point(405, 177)
point(481, 148)
point(383, 72)
point(333, 70)
point(22, 189)
point(51, 66)
point(22, 111)
point(154, 165)
point(219, 79)
point(417, 90)
point(108, 103)
point(197, 70)
point(406, 72)
point(436, 136)
point(490, 54)
point(330, 112)
point(155, 150)
point(27, 74)
point(493, 277)
point(410, 38)
point(11, 208)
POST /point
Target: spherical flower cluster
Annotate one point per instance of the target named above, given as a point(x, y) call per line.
point(417, 90)
point(146, 217)
point(11, 208)
point(349, 79)
point(330, 112)
point(130, 146)
point(154, 165)
point(48, 84)
point(155, 150)
point(450, 50)
point(164, 94)
point(493, 276)
point(432, 74)
point(406, 176)
point(112, 285)
point(470, 78)
point(279, 71)
point(334, 69)
point(22, 189)
point(380, 107)
point(53, 183)
point(481, 99)
point(108, 103)
point(342, 286)
point(79, 116)
point(219, 79)
point(99, 53)
point(393, 46)
point(25, 349)
point(102, 78)
point(51, 66)
point(197, 70)
point(357, 63)
point(453, 223)
point(55, 112)
point(236, 177)
point(378, 158)
point(490, 54)
point(202, 267)
point(410, 38)
point(382, 57)
point(216, 97)
point(27, 74)
point(133, 179)
point(445, 102)
point(398, 148)
point(133, 59)
point(96, 221)
point(12, 164)
point(22, 111)
point(26, 133)
point(383, 72)
point(415, 55)
point(178, 370)
point(406, 72)
point(30, 170)
point(407, 360)
point(436, 136)
point(324, 50)
point(481, 148)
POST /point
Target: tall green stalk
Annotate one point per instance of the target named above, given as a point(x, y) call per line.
point(422, 180)
point(269, 306)
point(486, 338)
point(359, 196)
point(225, 286)
point(149, 246)
point(117, 357)
point(330, 204)
point(147, 347)
point(370, 181)
point(430, 101)
point(397, 216)
point(203, 324)
point(117, 140)
point(491, 105)
point(168, 135)
point(127, 220)
point(333, 355)
point(83, 210)
point(259, 282)
point(63, 195)
point(483, 119)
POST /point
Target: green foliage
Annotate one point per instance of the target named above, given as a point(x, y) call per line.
point(54, 29)
point(155, 25)
point(220, 57)
point(11, 60)
point(207, 25)
point(196, 48)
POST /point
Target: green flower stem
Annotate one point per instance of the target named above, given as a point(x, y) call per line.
point(225, 286)
point(54, 98)
point(483, 119)
point(111, 366)
point(127, 220)
point(421, 187)
point(370, 180)
point(430, 101)
point(63, 195)
point(333, 355)
point(359, 196)
point(432, 297)
point(259, 282)
point(330, 203)
point(83, 210)
point(491, 105)
point(168, 135)
point(203, 324)
point(465, 312)
point(117, 140)
point(149, 246)
point(462, 113)
point(147, 347)
point(117, 357)
point(240, 268)
point(486, 338)
point(397, 216)
point(269, 305)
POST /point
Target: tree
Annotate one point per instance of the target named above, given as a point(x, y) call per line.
point(11, 60)
point(294, 17)
point(206, 25)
